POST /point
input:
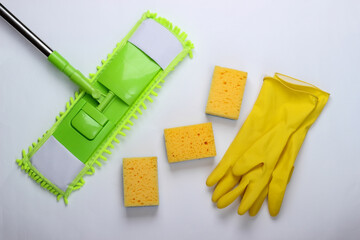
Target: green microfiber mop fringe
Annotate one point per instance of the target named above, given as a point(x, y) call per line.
point(26, 165)
point(173, 29)
point(98, 156)
point(37, 178)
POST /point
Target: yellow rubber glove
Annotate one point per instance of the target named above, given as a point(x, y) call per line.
point(277, 113)
point(275, 101)
point(285, 165)
point(255, 182)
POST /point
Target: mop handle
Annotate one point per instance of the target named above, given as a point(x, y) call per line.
point(27, 33)
point(54, 57)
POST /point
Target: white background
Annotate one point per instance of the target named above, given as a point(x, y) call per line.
point(316, 41)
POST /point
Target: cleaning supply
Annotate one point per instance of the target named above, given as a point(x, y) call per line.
point(266, 146)
point(226, 92)
point(140, 178)
point(190, 142)
point(106, 103)
point(54, 57)
point(285, 166)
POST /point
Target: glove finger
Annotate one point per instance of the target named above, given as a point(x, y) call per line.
point(225, 184)
point(258, 203)
point(230, 197)
point(253, 191)
point(236, 149)
point(218, 173)
point(258, 183)
point(239, 190)
point(276, 193)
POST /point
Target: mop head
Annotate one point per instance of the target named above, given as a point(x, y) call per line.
point(86, 131)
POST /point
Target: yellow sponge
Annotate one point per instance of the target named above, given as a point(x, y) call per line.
point(140, 177)
point(190, 142)
point(226, 92)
